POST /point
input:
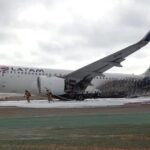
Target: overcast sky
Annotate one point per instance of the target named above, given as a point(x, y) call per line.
point(69, 34)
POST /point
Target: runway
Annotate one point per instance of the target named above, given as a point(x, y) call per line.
point(88, 103)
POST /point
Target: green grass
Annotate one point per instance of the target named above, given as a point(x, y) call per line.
point(130, 130)
point(75, 121)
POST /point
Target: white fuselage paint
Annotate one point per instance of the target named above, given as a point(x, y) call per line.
point(18, 79)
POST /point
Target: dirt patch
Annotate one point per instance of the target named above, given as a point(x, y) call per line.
point(62, 147)
point(20, 112)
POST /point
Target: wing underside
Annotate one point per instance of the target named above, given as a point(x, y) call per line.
point(82, 77)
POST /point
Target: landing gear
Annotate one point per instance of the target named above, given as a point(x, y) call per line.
point(80, 97)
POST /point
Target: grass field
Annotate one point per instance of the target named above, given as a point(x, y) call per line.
point(85, 132)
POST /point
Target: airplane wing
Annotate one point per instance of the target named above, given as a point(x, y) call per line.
point(86, 73)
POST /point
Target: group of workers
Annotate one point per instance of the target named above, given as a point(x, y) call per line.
point(48, 93)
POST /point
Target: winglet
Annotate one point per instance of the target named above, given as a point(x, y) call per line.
point(147, 37)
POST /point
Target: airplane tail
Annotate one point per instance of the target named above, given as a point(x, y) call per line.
point(147, 72)
point(147, 37)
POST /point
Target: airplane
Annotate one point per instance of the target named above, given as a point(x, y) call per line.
point(72, 84)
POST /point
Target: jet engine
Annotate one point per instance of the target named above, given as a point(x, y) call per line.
point(55, 84)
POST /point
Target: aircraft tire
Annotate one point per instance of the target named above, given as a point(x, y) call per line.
point(80, 97)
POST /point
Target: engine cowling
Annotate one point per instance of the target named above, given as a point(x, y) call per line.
point(54, 84)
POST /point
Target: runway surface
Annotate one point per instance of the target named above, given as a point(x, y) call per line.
point(88, 103)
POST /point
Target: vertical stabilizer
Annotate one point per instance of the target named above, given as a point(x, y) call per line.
point(147, 72)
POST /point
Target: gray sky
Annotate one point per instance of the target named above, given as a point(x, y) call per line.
point(69, 34)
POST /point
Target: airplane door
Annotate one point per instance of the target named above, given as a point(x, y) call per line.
point(3, 84)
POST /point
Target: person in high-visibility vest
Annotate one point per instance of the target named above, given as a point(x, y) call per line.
point(27, 95)
point(49, 96)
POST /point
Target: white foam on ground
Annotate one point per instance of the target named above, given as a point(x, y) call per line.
point(73, 104)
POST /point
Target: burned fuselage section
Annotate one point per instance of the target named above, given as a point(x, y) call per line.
point(129, 87)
